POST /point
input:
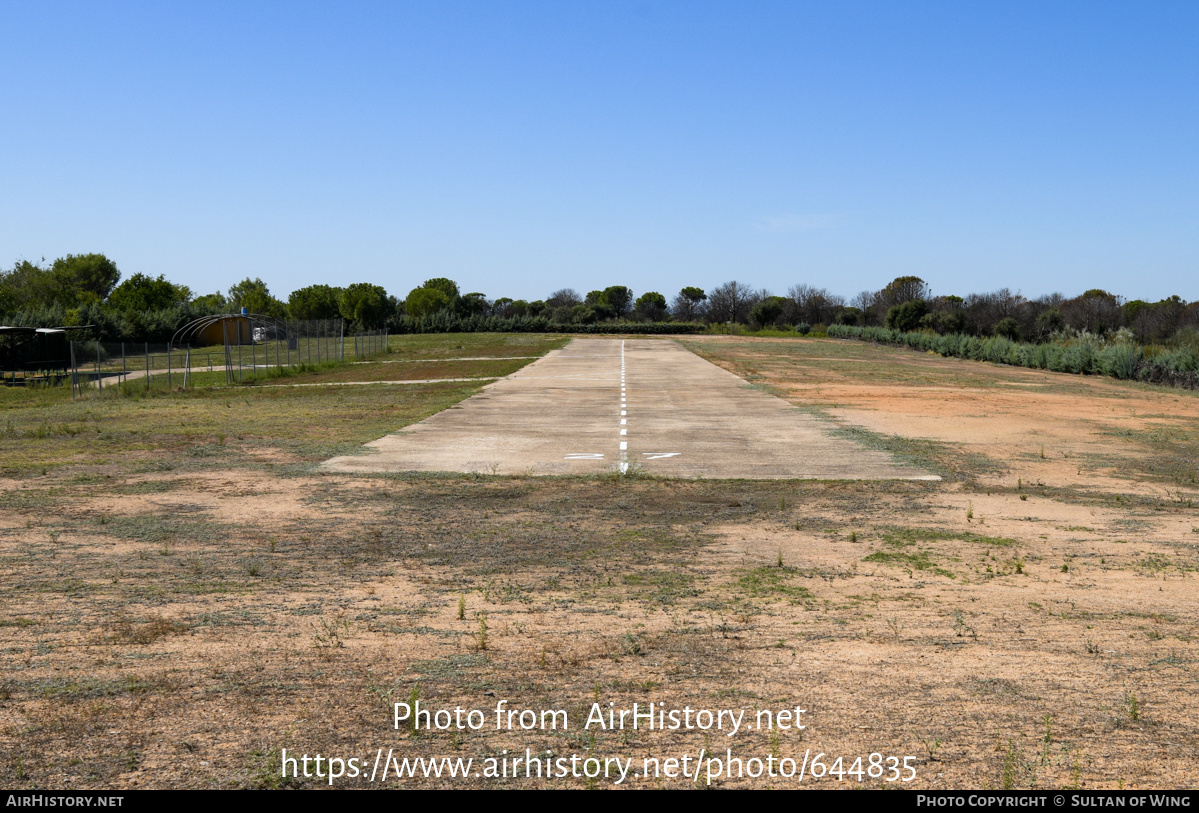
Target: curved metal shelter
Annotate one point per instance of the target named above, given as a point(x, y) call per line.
point(256, 341)
point(230, 329)
point(228, 345)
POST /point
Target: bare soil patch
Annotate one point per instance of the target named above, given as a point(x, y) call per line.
point(177, 619)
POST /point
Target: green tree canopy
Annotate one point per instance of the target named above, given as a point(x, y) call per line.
point(315, 302)
point(1048, 322)
point(85, 277)
point(425, 301)
point(472, 304)
point(651, 305)
point(69, 282)
point(211, 303)
point(618, 298)
point(849, 315)
point(141, 293)
point(907, 315)
point(27, 285)
point(1008, 328)
point(769, 311)
point(503, 307)
point(651, 299)
point(366, 305)
point(446, 286)
point(584, 315)
point(254, 296)
point(688, 303)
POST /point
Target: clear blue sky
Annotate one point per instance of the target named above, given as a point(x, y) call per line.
point(520, 147)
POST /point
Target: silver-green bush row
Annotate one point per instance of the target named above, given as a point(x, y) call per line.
point(1084, 354)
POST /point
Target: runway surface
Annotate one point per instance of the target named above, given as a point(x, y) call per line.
point(649, 405)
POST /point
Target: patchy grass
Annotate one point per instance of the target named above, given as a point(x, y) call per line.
point(666, 587)
point(919, 560)
point(224, 427)
point(187, 594)
point(393, 371)
point(910, 536)
point(773, 582)
point(455, 345)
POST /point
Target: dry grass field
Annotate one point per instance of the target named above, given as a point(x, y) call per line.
point(187, 595)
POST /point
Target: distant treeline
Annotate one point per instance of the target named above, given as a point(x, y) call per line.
point(88, 289)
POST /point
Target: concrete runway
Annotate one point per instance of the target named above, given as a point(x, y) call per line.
point(604, 405)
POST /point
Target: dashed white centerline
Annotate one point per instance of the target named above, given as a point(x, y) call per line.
point(624, 445)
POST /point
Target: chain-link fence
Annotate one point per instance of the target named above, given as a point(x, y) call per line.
point(370, 343)
point(254, 351)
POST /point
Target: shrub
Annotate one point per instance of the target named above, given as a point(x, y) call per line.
point(1073, 352)
point(1120, 360)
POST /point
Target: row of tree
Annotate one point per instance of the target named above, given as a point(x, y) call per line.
point(88, 289)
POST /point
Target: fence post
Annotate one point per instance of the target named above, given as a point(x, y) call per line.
point(99, 380)
point(147, 365)
point(124, 371)
point(187, 370)
point(74, 372)
point(168, 368)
